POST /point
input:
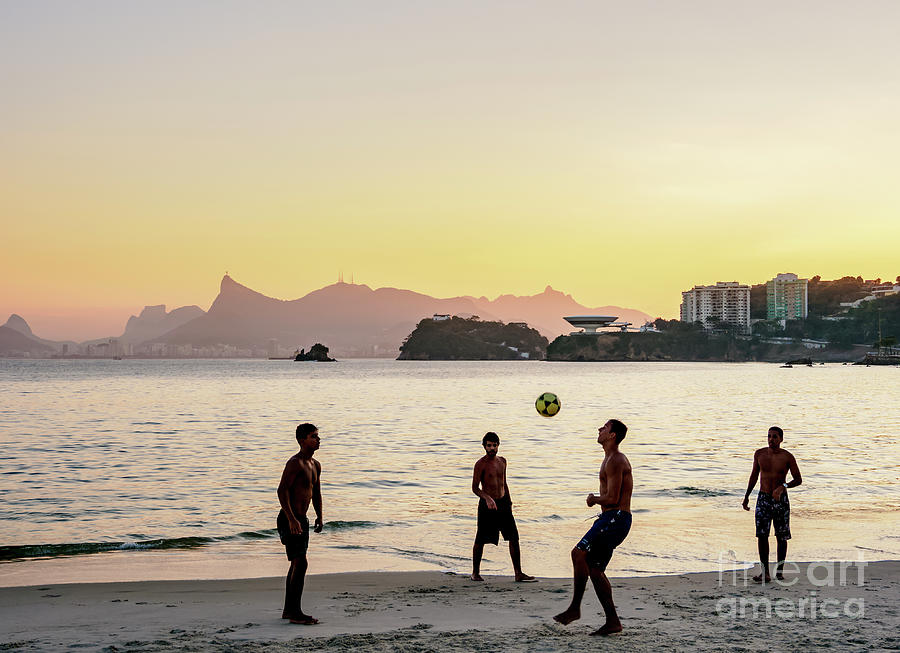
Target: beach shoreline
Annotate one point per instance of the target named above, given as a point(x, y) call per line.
point(442, 611)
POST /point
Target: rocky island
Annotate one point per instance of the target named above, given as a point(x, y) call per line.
point(455, 338)
point(318, 353)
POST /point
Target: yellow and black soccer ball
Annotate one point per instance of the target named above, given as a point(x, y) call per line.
point(547, 404)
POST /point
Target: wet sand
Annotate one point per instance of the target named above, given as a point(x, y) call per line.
point(433, 611)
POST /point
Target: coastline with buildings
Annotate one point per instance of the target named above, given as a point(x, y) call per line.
point(787, 317)
point(717, 324)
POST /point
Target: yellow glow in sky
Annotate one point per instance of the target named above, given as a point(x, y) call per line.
point(620, 153)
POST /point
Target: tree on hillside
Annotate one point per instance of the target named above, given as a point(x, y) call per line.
point(825, 297)
point(676, 325)
point(758, 302)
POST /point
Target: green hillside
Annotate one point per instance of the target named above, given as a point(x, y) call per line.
point(471, 339)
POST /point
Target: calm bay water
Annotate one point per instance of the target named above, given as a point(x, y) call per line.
point(168, 469)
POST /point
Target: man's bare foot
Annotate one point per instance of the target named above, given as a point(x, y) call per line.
point(779, 576)
point(759, 579)
point(476, 577)
point(568, 616)
point(303, 620)
point(525, 578)
point(609, 628)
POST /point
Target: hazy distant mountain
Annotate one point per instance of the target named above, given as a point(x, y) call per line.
point(18, 323)
point(354, 320)
point(154, 322)
point(545, 311)
point(350, 319)
point(16, 339)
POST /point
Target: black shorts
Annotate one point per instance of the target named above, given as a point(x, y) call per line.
point(493, 522)
point(769, 510)
point(294, 545)
point(608, 532)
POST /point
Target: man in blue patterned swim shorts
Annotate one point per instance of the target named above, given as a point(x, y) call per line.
point(771, 465)
point(591, 555)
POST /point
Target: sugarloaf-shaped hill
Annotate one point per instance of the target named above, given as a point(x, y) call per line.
point(17, 339)
point(354, 319)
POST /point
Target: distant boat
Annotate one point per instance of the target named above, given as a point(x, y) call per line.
point(787, 365)
point(884, 356)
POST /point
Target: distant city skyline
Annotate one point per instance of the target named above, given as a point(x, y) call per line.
point(618, 152)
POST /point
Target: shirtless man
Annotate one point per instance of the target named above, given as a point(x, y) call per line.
point(494, 508)
point(591, 555)
point(770, 466)
point(298, 487)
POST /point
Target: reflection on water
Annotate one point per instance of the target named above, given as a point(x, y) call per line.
point(111, 455)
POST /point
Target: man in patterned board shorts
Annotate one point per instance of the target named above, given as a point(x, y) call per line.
point(771, 465)
point(591, 555)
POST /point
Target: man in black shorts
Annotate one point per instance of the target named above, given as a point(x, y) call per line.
point(298, 488)
point(494, 508)
point(591, 555)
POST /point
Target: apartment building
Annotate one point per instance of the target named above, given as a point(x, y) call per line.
point(727, 302)
point(787, 298)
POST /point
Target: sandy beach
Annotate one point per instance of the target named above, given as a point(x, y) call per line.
point(432, 611)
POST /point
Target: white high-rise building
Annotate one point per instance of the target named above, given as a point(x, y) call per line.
point(727, 301)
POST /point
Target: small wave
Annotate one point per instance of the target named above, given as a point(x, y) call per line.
point(690, 491)
point(24, 552)
point(536, 520)
point(86, 548)
point(258, 535)
point(383, 483)
point(340, 525)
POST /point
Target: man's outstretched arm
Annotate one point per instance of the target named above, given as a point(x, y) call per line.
point(754, 476)
point(796, 479)
point(317, 498)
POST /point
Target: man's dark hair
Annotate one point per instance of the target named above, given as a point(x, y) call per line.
point(490, 436)
point(305, 429)
point(778, 430)
point(619, 429)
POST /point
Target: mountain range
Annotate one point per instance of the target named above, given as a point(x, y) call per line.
point(351, 319)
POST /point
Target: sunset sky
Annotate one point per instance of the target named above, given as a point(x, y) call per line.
point(619, 151)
